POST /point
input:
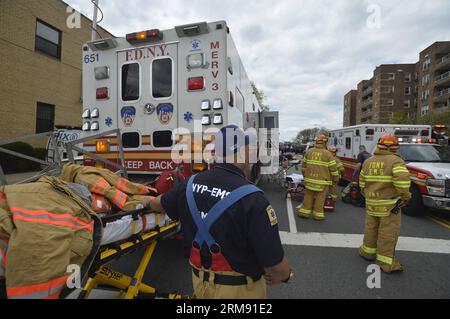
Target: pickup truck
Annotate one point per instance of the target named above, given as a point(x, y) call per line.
point(429, 166)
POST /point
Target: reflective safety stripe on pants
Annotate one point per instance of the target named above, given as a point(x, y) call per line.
point(384, 259)
point(48, 290)
point(313, 202)
point(369, 250)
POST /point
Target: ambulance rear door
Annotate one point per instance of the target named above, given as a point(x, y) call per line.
point(147, 104)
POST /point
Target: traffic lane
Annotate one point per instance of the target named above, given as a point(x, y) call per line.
point(330, 273)
point(349, 219)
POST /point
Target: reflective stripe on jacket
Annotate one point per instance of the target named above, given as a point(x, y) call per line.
point(385, 180)
point(319, 169)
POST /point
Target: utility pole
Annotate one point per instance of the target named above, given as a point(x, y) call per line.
point(94, 20)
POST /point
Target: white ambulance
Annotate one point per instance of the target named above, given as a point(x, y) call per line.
point(428, 162)
point(149, 83)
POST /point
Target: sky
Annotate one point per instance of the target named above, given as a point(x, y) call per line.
point(304, 54)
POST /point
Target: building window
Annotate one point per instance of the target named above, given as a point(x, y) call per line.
point(407, 104)
point(408, 77)
point(48, 39)
point(391, 76)
point(426, 80)
point(45, 118)
point(408, 90)
point(426, 64)
point(424, 110)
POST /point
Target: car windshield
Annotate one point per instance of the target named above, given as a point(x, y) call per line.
point(425, 153)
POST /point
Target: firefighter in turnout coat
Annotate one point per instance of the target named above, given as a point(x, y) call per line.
point(340, 168)
point(320, 172)
point(385, 182)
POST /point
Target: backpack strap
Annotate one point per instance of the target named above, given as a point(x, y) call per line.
point(204, 225)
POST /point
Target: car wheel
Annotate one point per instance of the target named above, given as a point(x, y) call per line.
point(415, 207)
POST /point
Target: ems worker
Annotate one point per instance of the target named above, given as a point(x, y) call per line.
point(341, 170)
point(385, 183)
point(236, 248)
point(319, 172)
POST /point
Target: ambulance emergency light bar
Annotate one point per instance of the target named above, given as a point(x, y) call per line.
point(190, 30)
point(145, 36)
point(102, 45)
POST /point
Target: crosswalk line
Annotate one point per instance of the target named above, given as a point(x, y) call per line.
point(412, 244)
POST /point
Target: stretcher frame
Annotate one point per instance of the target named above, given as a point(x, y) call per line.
point(130, 287)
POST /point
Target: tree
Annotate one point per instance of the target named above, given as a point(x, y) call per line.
point(401, 117)
point(309, 134)
point(435, 118)
point(261, 97)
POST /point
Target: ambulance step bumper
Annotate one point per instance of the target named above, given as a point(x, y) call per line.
point(440, 203)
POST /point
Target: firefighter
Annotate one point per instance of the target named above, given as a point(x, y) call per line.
point(340, 168)
point(319, 172)
point(236, 247)
point(385, 182)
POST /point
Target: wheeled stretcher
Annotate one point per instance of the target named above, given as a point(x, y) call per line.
point(123, 234)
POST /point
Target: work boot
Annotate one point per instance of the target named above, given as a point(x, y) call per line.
point(367, 256)
point(396, 267)
point(303, 216)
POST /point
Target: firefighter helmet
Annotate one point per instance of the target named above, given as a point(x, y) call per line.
point(333, 150)
point(388, 142)
point(321, 139)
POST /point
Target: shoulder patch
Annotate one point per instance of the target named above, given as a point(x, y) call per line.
point(272, 215)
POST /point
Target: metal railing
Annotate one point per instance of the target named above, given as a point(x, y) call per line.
point(443, 76)
point(442, 93)
point(49, 168)
point(443, 59)
point(54, 168)
point(71, 146)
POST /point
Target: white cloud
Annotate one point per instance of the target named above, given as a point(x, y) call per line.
point(305, 54)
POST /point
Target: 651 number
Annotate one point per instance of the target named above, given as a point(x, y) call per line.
point(91, 58)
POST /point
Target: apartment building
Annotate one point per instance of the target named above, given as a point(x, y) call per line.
point(40, 66)
point(392, 90)
point(350, 108)
point(434, 79)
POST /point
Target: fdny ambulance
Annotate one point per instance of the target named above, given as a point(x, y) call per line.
point(428, 162)
point(149, 83)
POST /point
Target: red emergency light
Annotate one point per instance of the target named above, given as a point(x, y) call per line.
point(102, 93)
point(145, 36)
point(196, 83)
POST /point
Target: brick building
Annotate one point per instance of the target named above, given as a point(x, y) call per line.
point(434, 79)
point(390, 91)
point(40, 66)
point(350, 108)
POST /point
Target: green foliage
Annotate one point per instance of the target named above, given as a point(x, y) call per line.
point(14, 164)
point(261, 97)
point(401, 118)
point(308, 135)
point(435, 118)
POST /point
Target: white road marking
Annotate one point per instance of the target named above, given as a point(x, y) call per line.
point(424, 245)
point(291, 216)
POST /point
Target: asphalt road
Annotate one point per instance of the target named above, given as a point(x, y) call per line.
point(324, 257)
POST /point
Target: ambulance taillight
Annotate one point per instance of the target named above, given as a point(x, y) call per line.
point(144, 36)
point(102, 93)
point(196, 83)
